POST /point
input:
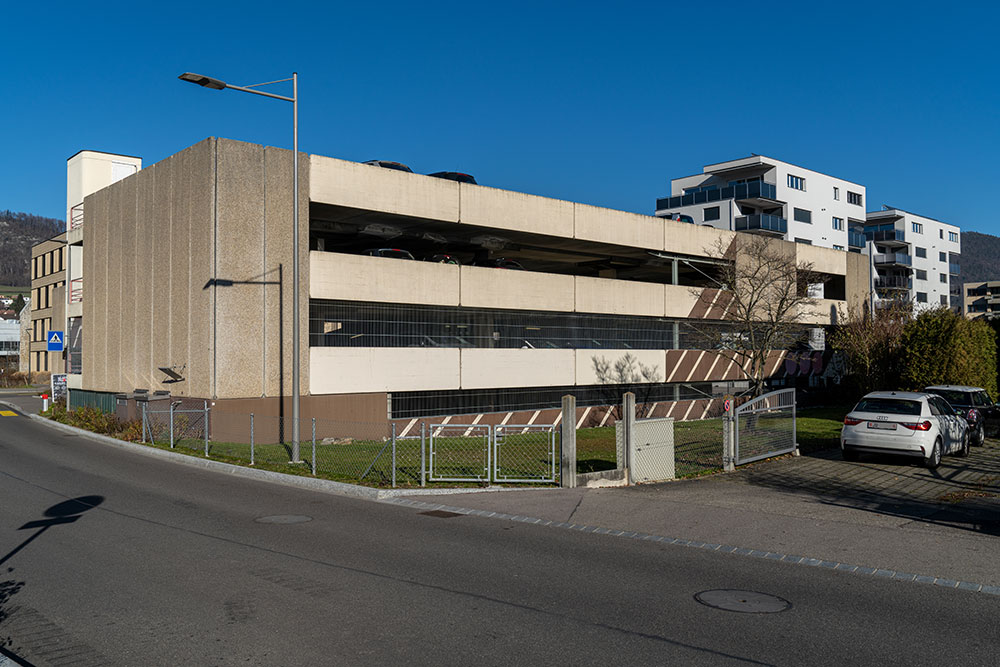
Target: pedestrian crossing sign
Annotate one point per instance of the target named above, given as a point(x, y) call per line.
point(55, 340)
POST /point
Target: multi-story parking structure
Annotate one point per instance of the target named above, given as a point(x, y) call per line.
point(915, 259)
point(762, 195)
point(188, 269)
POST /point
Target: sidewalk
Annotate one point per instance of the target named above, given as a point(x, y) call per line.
point(876, 514)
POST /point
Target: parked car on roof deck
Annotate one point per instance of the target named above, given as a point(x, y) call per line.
point(387, 164)
point(906, 424)
point(455, 176)
point(680, 217)
point(395, 253)
point(443, 259)
point(503, 263)
point(982, 414)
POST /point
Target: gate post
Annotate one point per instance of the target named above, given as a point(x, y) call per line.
point(628, 418)
point(729, 435)
point(567, 443)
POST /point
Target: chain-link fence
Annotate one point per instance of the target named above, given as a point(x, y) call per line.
point(525, 453)
point(765, 427)
point(698, 442)
point(176, 423)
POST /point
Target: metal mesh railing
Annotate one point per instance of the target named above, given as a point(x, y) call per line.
point(175, 424)
point(698, 445)
point(652, 456)
point(459, 452)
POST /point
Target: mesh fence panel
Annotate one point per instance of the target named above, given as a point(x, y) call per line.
point(525, 453)
point(766, 426)
point(459, 453)
point(698, 444)
point(179, 427)
point(653, 457)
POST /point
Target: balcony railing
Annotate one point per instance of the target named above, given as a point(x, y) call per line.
point(954, 269)
point(893, 258)
point(855, 239)
point(885, 236)
point(893, 303)
point(752, 190)
point(761, 222)
point(76, 216)
point(893, 282)
point(76, 290)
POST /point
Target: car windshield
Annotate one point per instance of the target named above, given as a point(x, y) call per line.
point(891, 406)
point(955, 397)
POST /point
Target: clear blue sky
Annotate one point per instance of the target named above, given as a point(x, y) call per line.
point(594, 102)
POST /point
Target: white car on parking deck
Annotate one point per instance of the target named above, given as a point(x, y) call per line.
point(907, 424)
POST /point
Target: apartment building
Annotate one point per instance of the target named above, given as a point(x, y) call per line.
point(915, 259)
point(981, 299)
point(187, 265)
point(762, 195)
point(48, 302)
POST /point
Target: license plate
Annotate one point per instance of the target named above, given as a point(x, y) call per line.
point(885, 426)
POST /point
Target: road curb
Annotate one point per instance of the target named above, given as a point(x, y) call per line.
point(302, 482)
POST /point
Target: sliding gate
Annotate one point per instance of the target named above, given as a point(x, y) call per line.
point(508, 453)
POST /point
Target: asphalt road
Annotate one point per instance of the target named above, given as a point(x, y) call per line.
point(168, 565)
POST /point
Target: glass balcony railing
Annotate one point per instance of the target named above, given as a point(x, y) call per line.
point(954, 269)
point(893, 282)
point(752, 190)
point(762, 222)
point(885, 235)
point(855, 239)
point(896, 258)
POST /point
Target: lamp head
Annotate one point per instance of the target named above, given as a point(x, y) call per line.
point(202, 80)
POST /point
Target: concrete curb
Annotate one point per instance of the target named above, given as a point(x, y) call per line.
point(310, 483)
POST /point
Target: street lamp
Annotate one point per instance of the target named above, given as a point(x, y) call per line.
point(216, 84)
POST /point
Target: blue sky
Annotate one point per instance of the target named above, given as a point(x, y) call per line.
point(601, 103)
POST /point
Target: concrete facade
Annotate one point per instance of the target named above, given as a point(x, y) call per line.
point(188, 266)
point(48, 298)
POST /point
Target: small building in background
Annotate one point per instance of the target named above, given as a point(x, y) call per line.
point(981, 299)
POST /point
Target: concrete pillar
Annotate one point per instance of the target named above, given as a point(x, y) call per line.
point(628, 419)
point(567, 440)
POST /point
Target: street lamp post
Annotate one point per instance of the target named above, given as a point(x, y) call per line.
point(216, 84)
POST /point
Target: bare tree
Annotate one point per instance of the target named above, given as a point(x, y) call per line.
point(626, 374)
point(871, 344)
point(763, 297)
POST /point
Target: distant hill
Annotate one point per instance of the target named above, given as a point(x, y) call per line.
point(979, 260)
point(18, 232)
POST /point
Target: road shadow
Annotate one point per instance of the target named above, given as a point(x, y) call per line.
point(963, 493)
point(65, 512)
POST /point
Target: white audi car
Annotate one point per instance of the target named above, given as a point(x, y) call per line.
point(907, 424)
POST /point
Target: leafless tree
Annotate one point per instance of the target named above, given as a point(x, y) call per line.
point(623, 375)
point(764, 296)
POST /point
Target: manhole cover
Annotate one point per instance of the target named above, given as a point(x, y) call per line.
point(284, 518)
point(747, 602)
point(441, 514)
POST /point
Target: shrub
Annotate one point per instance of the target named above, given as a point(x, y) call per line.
point(940, 347)
point(96, 421)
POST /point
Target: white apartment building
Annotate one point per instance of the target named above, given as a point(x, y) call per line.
point(767, 196)
point(915, 259)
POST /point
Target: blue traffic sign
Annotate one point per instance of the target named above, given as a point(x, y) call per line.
point(55, 340)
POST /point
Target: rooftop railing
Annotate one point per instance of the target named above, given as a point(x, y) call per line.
point(893, 258)
point(752, 190)
point(761, 222)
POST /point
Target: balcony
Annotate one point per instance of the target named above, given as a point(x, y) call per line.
point(762, 222)
point(76, 216)
point(893, 259)
point(886, 236)
point(742, 191)
point(855, 239)
point(954, 269)
point(76, 290)
point(893, 303)
point(893, 283)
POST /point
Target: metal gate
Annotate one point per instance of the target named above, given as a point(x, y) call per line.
point(510, 453)
point(765, 427)
point(524, 453)
point(459, 453)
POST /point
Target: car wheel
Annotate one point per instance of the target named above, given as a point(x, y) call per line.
point(934, 460)
point(850, 454)
point(980, 436)
point(963, 451)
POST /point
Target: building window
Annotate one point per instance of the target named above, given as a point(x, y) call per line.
point(921, 252)
point(944, 300)
point(802, 215)
point(921, 274)
point(838, 247)
point(711, 213)
point(836, 193)
point(941, 233)
point(838, 224)
point(854, 198)
point(943, 257)
point(944, 277)
point(796, 182)
point(953, 236)
point(921, 297)
point(804, 241)
point(917, 227)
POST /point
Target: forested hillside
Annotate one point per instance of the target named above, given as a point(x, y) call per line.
point(18, 232)
point(980, 254)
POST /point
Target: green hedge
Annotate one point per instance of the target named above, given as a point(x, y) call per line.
point(940, 347)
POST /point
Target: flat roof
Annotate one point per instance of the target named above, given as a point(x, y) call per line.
point(761, 158)
point(895, 209)
point(88, 150)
